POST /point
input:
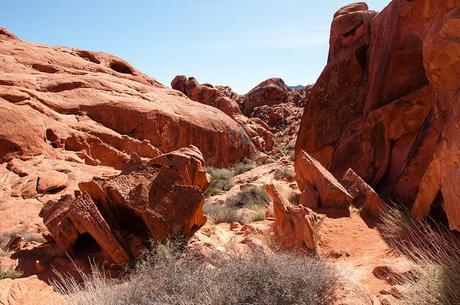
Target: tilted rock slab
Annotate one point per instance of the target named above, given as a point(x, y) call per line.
point(364, 197)
point(149, 201)
point(319, 187)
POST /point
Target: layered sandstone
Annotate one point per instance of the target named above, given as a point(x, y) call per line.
point(385, 105)
point(97, 109)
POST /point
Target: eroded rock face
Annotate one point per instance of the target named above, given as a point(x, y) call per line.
point(60, 101)
point(221, 98)
point(384, 106)
point(270, 92)
point(295, 226)
point(116, 218)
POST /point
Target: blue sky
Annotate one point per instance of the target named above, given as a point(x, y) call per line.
point(232, 42)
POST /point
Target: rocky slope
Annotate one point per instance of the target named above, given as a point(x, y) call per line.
point(69, 103)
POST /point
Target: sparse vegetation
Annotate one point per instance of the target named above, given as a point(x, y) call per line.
point(163, 278)
point(4, 239)
point(258, 216)
point(285, 173)
point(435, 252)
point(243, 167)
point(221, 181)
point(222, 213)
point(294, 199)
point(9, 273)
point(253, 198)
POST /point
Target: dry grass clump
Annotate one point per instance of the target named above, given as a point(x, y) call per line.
point(243, 167)
point(285, 174)
point(9, 273)
point(255, 199)
point(435, 252)
point(221, 181)
point(222, 213)
point(168, 278)
point(4, 239)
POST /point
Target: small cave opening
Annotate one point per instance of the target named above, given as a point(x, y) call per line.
point(86, 244)
point(437, 212)
point(130, 223)
point(121, 67)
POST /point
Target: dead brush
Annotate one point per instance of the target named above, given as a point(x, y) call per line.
point(170, 277)
point(435, 253)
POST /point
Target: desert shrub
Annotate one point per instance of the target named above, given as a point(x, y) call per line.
point(294, 199)
point(32, 237)
point(165, 279)
point(9, 273)
point(258, 216)
point(251, 198)
point(435, 253)
point(221, 180)
point(285, 174)
point(222, 213)
point(243, 167)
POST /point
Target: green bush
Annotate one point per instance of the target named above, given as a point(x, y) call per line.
point(251, 198)
point(285, 174)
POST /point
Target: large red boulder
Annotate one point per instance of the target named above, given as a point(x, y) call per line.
point(384, 105)
point(269, 92)
point(60, 101)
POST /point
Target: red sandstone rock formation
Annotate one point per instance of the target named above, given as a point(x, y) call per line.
point(385, 105)
point(270, 92)
point(69, 103)
point(319, 187)
point(207, 94)
point(295, 226)
point(364, 197)
point(149, 201)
